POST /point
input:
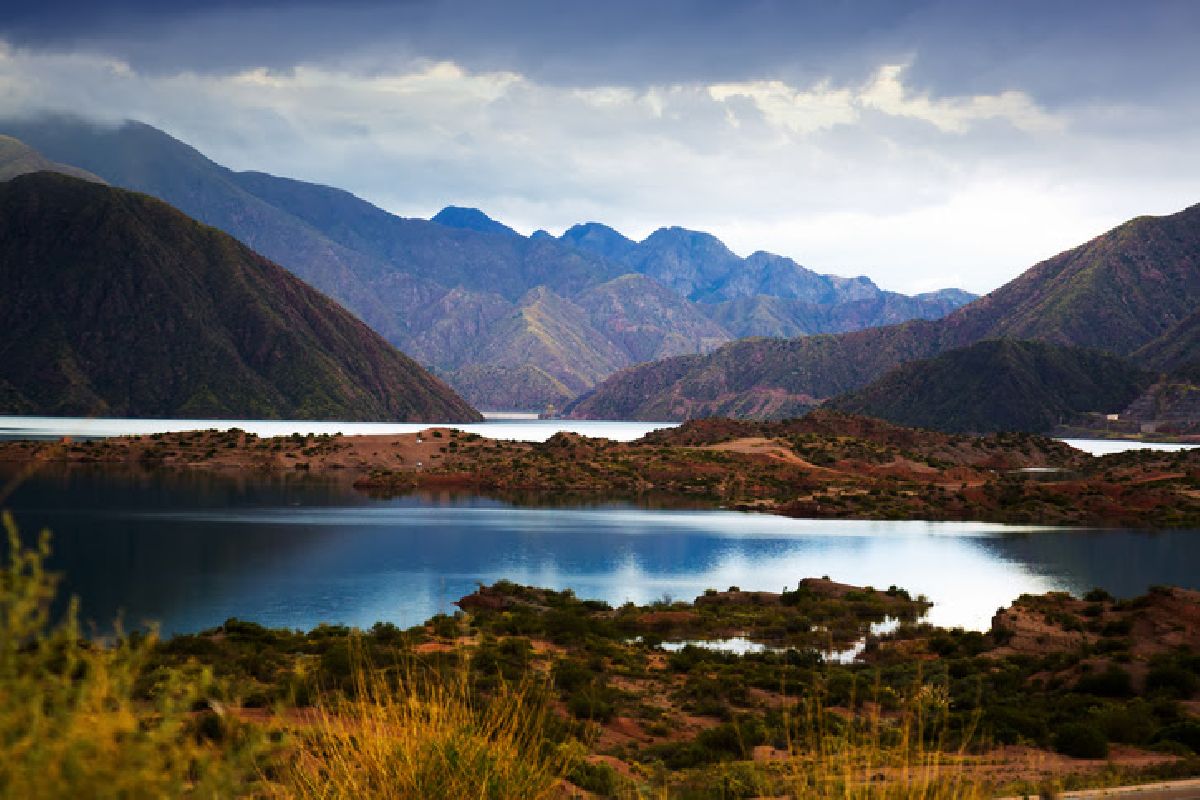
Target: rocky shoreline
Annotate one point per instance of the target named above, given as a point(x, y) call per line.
point(825, 465)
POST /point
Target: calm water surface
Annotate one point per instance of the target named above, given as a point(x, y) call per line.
point(498, 425)
point(191, 550)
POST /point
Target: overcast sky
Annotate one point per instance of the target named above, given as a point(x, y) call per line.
point(924, 144)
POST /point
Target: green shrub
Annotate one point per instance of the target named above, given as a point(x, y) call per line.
point(1172, 680)
point(1079, 740)
point(1186, 733)
point(1113, 682)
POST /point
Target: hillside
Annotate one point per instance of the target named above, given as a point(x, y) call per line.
point(422, 283)
point(756, 378)
point(546, 329)
point(999, 385)
point(18, 158)
point(648, 321)
point(117, 304)
point(1177, 349)
point(1118, 292)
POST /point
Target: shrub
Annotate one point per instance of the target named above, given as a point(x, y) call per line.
point(1186, 733)
point(1172, 680)
point(593, 703)
point(1131, 723)
point(1113, 682)
point(1080, 740)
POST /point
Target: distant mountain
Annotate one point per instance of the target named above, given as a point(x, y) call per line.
point(114, 303)
point(755, 378)
point(470, 219)
point(600, 239)
point(700, 267)
point(1119, 292)
point(546, 329)
point(999, 385)
point(447, 290)
point(783, 317)
point(18, 158)
point(647, 321)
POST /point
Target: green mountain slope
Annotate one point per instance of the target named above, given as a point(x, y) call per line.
point(118, 304)
point(1118, 292)
point(548, 330)
point(1176, 349)
point(999, 385)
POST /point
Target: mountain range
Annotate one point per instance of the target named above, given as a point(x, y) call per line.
point(1130, 292)
point(512, 321)
point(116, 304)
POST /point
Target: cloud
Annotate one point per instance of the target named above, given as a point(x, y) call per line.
point(867, 171)
point(822, 106)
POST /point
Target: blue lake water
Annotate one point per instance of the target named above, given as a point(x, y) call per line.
point(190, 550)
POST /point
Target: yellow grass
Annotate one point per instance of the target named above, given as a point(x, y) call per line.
point(903, 756)
point(427, 737)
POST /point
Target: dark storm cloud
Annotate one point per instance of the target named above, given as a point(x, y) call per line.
point(1059, 52)
point(926, 143)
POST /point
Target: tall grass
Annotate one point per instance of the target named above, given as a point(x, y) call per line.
point(903, 756)
point(426, 736)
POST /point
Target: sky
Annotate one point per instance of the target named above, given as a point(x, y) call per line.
point(924, 144)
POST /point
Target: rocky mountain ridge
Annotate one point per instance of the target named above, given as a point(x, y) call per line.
point(452, 291)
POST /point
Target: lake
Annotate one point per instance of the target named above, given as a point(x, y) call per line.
point(516, 425)
point(191, 549)
point(498, 425)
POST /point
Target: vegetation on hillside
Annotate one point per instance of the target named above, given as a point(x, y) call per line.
point(999, 385)
point(116, 304)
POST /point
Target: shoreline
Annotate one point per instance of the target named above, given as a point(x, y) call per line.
point(825, 466)
point(644, 709)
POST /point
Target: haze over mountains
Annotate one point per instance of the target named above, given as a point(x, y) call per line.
point(1131, 292)
point(512, 321)
point(116, 304)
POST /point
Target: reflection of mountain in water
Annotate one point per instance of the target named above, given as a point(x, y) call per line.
point(191, 550)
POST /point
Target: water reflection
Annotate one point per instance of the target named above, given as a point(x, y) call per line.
point(191, 550)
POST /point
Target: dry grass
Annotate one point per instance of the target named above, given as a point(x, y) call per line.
point(903, 756)
point(426, 737)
